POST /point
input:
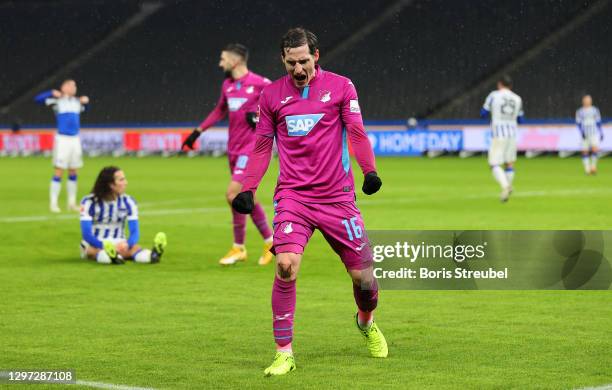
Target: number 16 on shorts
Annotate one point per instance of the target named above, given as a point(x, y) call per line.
point(353, 230)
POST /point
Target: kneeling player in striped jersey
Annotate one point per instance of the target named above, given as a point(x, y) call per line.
point(103, 216)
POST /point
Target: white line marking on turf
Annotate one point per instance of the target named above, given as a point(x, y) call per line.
point(490, 195)
point(42, 218)
point(526, 194)
point(100, 385)
point(603, 387)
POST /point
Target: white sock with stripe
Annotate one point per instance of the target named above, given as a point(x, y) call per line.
point(500, 176)
point(102, 258)
point(593, 161)
point(54, 190)
point(71, 187)
point(143, 256)
point(586, 163)
point(510, 175)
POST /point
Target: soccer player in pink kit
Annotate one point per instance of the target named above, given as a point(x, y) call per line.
point(239, 96)
point(312, 113)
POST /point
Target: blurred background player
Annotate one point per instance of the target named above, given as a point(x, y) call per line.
point(239, 96)
point(311, 112)
point(67, 152)
point(505, 108)
point(588, 120)
point(103, 216)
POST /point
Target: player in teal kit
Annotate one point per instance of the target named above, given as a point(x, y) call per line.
point(312, 114)
point(239, 96)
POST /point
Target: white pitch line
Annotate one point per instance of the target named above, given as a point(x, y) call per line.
point(101, 385)
point(75, 217)
point(184, 211)
point(491, 195)
point(526, 194)
point(603, 387)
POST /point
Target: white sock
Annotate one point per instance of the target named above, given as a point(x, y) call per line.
point(287, 349)
point(510, 175)
point(71, 186)
point(268, 240)
point(239, 246)
point(143, 256)
point(367, 324)
point(586, 163)
point(594, 161)
point(500, 176)
point(102, 258)
point(54, 191)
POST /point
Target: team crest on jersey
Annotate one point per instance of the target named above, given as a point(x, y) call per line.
point(250, 89)
point(234, 104)
point(301, 125)
point(324, 96)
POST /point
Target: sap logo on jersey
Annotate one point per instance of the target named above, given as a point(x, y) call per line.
point(301, 125)
point(234, 104)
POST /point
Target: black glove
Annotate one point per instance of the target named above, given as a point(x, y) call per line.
point(371, 183)
point(193, 137)
point(252, 119)
point(243, 202)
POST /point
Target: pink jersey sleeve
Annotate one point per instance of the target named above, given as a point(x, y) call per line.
point(266, 125)
point(351, 112)
point(259, 159)
point(258, 163)
point(351, 116)
point(218, 113)
point(361, 147)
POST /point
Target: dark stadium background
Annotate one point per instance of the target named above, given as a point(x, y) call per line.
point(156, 61)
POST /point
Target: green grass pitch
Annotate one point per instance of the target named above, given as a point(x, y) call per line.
point(188, 323)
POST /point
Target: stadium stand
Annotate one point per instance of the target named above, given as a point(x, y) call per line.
point(437, 48)
point(555, 81)
point(165, 70)
point(38, 37)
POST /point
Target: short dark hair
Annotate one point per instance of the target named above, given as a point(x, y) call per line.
point(238, 49)
point(506, 81)
point(297, 37)
point(101, 189)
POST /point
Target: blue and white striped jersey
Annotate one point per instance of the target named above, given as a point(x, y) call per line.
point(108, 217)
point(588, 120)
point(67, 112)
point(505, 107)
